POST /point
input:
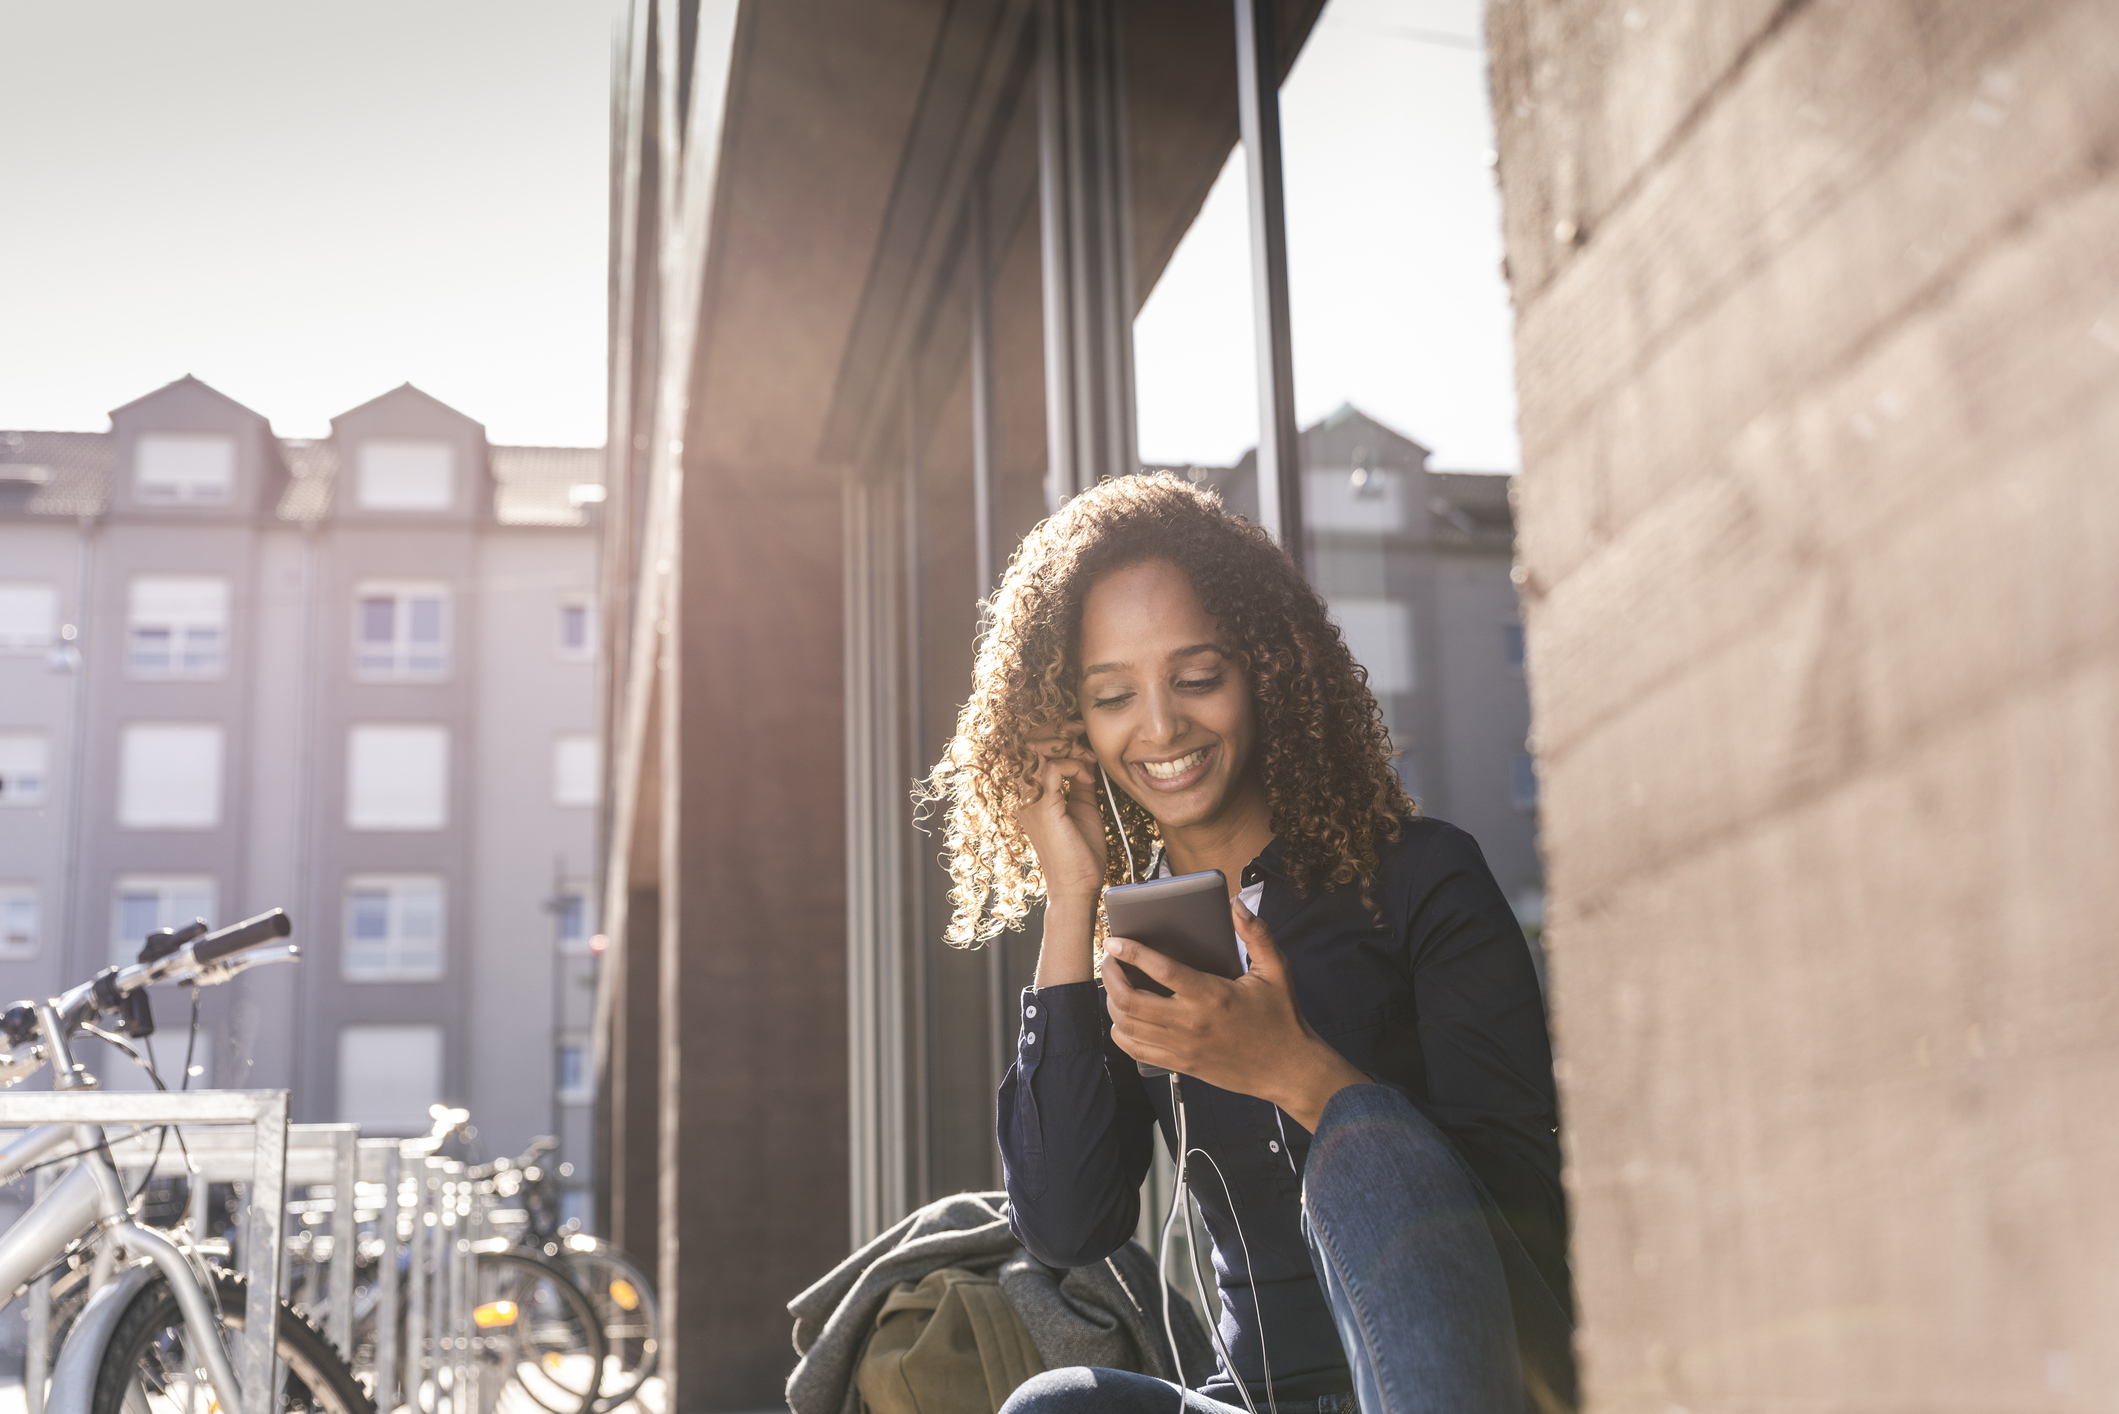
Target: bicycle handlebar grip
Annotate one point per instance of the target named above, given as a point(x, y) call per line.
point(238, 936)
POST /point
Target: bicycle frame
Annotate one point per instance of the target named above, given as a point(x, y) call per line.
point(90, 1197)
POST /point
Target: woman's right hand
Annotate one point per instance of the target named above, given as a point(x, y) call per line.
point(1057, 809)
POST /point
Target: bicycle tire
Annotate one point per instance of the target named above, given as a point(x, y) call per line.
point(152, 1328)
point(632, 1334)
point(564, 1374)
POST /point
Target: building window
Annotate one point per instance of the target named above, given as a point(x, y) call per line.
point(406, 476)
point(184, 468)
point(388, 1077)
point(576, 1086)
point(18, 920)
point(575, 773)
point(28, 615)
point(178, 626)
point(147, 902)
point(401, 630)
point(169, 777)
point(1525, 785)
point(23, 768)
point(394, 928)
point(1379, 633)
point(577, 919)
point(577, 629)
point(397, 777)
point(1512, 643)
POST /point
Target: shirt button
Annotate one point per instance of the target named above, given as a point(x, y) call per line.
point(1030, 1010)
point(1273, 1144)
point(1029, 1038)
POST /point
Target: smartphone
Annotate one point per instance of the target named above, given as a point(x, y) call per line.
point(1186, 918)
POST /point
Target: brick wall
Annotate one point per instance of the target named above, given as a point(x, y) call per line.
point(1818, 358)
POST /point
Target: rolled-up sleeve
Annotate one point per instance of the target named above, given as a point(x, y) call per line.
point(1075, 1129)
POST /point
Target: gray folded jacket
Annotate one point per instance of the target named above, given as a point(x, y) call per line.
point(1108, 1313)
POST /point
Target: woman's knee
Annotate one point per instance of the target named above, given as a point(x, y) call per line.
point(1091, 1389)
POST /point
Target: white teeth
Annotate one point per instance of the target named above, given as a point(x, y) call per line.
point(1171, 770)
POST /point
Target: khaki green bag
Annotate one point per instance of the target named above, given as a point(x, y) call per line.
point(949, 1345)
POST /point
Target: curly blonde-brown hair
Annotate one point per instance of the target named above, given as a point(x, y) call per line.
point(1324, 753)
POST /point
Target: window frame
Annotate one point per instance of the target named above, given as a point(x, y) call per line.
point(373, 825)
point(13, 892)
point(571, 890)
point(583, 1091)
point(126, 736)
point(403, 593)
point(176, 626)
point(396, 887)
point(166, 887)
point(394, 1034)
point(586, 652)
point(8, 774)
point(40, 639)
point(363, 490)
point(560, 744)
point(188, 496)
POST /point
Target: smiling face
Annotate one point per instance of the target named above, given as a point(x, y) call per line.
point(1165, 702)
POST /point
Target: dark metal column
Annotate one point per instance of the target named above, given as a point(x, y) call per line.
point(1086, 218)
point(986, 553)
point(922, 1142)
point(1279, 441)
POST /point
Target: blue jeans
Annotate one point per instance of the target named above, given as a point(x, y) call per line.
point(1439, 1307)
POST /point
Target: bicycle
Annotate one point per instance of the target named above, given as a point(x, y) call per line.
point(530, 1320)
point(621, 1293)
point(157, 1309)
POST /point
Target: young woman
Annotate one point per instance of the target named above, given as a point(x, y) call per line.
point(1145, 638)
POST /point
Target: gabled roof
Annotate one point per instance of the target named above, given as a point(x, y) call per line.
point(404, 393)
point(187, 382)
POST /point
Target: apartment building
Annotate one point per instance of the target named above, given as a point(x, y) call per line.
point(354, 677)
point(1416, 565)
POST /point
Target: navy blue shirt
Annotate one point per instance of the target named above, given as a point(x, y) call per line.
point(1438, 998)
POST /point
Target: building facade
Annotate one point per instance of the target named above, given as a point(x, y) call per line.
point(1415, 564)
point(354, 677)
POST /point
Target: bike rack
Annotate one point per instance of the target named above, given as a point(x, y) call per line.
point(264, 1112)
point(316, 1153)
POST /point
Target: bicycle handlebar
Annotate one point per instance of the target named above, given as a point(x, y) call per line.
point(239, 937)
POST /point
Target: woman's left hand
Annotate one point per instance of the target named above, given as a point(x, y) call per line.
point(1244, 1035)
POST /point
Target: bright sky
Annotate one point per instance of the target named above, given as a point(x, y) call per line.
point(1394, 254)
point(306, 205)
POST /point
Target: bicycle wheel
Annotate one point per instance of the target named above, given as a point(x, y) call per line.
point(539, 1334)
point(149, 1368)
point(625, 1303)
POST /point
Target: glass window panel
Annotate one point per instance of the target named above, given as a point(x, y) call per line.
point(370, 914)
point(573, 917)
point(150, 649)
point(574, 627)
point(397, 777)
point(23, 768)
point(18, 920)
point(1512, 644)
point(184, 467)
point(388, 1076)
point(138, 914)
point(378, 619)
point(426, 619)
point(405, 476)
point(29, 616)
point(570, 1068)
point(575, 770)
point(169, 777)
point(202, 650)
